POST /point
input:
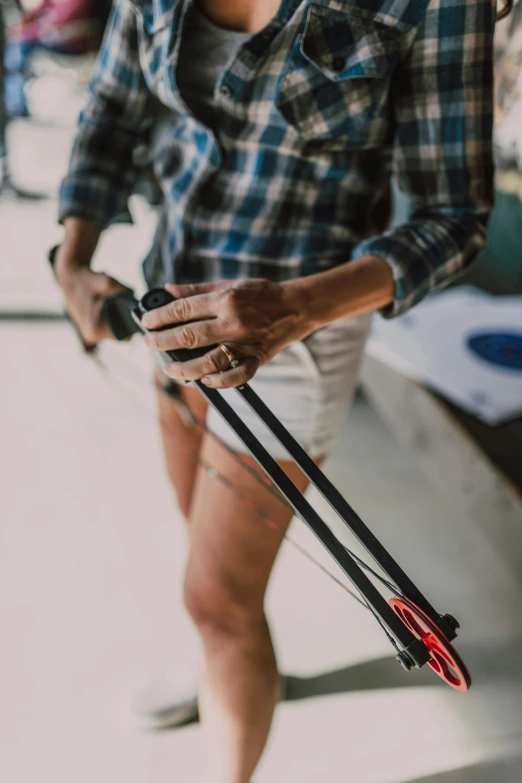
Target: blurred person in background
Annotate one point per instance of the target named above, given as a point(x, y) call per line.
point(274, 128)
point(73, 27)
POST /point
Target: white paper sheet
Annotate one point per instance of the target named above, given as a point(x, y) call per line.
point(430, 344)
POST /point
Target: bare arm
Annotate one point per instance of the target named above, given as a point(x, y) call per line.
point(101, 173)
point(77, 249)
point(368, 279)
point(116, 120)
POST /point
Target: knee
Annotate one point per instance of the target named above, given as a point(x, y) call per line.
point(217, 608)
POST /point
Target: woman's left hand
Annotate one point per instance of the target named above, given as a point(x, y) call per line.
point(254, 319)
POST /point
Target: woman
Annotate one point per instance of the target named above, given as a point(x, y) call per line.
point(275, 128)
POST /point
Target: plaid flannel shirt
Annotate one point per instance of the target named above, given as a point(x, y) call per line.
point(313, 115)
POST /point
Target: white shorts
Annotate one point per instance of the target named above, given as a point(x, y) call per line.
point(309, 386)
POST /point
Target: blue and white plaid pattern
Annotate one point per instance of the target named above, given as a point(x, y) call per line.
point(312, 116)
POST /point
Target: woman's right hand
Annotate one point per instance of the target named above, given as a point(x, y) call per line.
point(85, 292)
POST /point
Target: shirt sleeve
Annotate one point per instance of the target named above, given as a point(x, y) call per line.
point(442, 96)
point(115, 121)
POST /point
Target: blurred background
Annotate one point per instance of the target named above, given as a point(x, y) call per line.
point(93, 633)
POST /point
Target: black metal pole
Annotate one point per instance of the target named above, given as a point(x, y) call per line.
point(338, 502)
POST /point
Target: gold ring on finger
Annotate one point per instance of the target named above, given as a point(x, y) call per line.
point(233, 361)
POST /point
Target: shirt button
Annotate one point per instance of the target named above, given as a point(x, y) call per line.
point(226, 91)
point(338, 63)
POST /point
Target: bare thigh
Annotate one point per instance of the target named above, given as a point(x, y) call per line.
point(181, 440)
point(232, 548)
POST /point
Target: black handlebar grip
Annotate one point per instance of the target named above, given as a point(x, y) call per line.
point(158, 297)
point(117, 313)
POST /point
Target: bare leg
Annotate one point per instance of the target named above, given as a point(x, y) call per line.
point(181, 441)
point(231, 556)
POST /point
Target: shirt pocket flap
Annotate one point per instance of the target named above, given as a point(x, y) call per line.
point(349, 44)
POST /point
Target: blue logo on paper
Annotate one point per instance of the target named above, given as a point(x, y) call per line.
point(503, 349)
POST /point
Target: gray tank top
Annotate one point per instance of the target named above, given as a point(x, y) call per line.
point(205, 50)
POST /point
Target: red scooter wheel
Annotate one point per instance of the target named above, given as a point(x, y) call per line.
point(445, 660)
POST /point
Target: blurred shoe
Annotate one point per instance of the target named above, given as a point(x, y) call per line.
point(186, 711)
point(173, 716)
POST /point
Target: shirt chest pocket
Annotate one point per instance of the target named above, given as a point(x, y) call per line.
point(337, 78)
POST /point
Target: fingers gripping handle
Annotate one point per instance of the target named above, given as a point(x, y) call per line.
point(116, 312)
point(158, 297)
point(122, 313)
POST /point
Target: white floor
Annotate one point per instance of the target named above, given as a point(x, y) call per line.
point(92, 550)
